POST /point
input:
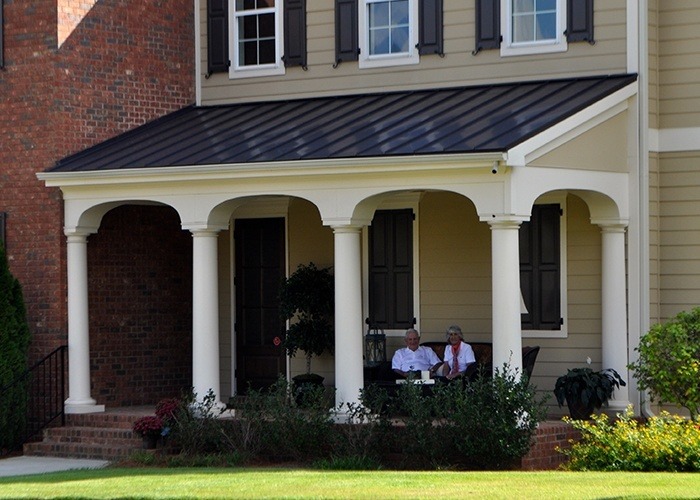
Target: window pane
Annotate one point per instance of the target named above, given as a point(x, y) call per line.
point(379, 15)
point(263, 4)
point(248, 27)
point(399, 12)
point(523, 6)
point(266, 24)
point(379, 41)
point(267, 52)
point(248, 53)
point(546, 26)
point(245, 4)
point(543, 5)
point(523, 29)
point(399, 40)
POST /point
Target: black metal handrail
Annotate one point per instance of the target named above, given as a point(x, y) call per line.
point(45, 387)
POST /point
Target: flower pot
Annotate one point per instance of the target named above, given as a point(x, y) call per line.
point(150, 441)
point(578, 410)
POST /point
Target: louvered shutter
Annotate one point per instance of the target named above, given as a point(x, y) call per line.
point(2, 24)
point(295, 33)
point(346, 35)
point(579, 21)
point(488, 24)
point(430, 27)
point(217, 36)
point(540, 264)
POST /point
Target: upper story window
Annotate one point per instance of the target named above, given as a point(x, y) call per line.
point(533, 26)
point(255, 37)
point(256, 44)
point(520, 27)
point(388, 32)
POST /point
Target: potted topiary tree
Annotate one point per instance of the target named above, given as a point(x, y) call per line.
point(586, 390)
point(307, 298)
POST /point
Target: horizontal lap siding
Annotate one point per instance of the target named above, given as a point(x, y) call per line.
point(679, 64)
point(458, 67)
point(679, 234)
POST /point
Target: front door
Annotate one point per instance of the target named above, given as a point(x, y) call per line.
point(259, 329)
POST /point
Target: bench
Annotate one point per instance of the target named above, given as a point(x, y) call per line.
point(483, 352)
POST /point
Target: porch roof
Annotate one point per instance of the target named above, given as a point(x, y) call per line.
point(474, 119)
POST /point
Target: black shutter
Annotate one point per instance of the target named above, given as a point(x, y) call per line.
point(579, 21)
point(217, 36)
point(346, 35)
point(540, 264)
point(391, 269)
point(430, 28)
point(3, 216)
point(2, 24)
point(488, 25)
point(295, 33)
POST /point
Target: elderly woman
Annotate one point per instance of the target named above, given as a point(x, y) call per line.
point(458, 354)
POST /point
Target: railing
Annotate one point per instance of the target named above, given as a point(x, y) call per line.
point(37, 398)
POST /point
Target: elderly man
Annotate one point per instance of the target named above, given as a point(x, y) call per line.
point(414, 357)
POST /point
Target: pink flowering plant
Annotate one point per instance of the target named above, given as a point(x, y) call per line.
point(149, 426)
point(167, 410)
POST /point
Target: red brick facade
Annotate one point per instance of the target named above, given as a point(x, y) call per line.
point(123, 64)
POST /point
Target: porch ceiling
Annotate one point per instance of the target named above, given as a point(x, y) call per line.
point(476, 119)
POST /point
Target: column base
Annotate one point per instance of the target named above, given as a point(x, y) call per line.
point(615, 407)
point(77, 407)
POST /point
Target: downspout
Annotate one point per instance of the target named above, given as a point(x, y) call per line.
point(643, 293)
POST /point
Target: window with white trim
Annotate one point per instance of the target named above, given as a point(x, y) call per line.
point(533, 26)
point(256, 43)
point(388, 32)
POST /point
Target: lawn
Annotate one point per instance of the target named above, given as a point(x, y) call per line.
point(304, 483)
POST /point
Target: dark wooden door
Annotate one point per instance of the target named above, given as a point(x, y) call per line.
point(259, 247)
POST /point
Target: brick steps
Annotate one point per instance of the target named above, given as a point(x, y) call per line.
point(103, 436)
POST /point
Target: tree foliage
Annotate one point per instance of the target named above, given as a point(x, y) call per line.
point(307, 297)
point(669, 361)
point(14, 342)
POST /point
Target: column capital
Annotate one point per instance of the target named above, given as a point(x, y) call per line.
point(611, 225)
point(204, 229)
point(346, 229)
point(504, 221)
point(79, 231)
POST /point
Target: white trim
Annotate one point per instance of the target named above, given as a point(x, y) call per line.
point(405, 200)
point(563, 332)
point(198, 55)
point(510, 48)
point(632, 36)
point(380, 61)
point(272, 69)
point(669, 140)
point(341, 166)
point(575, 125)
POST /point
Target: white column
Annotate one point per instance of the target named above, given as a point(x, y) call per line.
point(614, 308)
point(205, 313)
point(505, 271)
point(348, 315)
point(79, 400)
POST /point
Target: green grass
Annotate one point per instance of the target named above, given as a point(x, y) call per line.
point(304, 483)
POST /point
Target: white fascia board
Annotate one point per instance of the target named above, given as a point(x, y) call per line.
point(571, 127)
point(342, 166)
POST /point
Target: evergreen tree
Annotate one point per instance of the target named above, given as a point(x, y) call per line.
point(14, 343)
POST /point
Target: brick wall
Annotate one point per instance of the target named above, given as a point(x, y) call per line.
point(140, 294)
point(549, 436)
point(124, 63)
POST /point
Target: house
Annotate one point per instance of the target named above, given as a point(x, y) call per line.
point(445, 158)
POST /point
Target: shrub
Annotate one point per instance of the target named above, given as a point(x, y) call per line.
point(669, 361)
point(197, 428)
point(14, 343)
point(664, 443)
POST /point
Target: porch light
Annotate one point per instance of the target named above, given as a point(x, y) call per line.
point(375, 346)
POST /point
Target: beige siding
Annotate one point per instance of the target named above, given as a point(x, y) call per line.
point(609, 153)
point(679, 64)
point(458, 67)
point(679, 232)
point(654, 240)
point(309, 241)
point(653, 78)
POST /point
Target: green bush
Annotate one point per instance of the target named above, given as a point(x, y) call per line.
point(666, 443)
point(14, 343)
point(669, 361)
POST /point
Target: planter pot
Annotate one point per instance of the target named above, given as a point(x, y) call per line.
point(578, 410)
point(304, 384)
point(150, 441)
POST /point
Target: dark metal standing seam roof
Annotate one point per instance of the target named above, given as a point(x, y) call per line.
point(477, 119)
